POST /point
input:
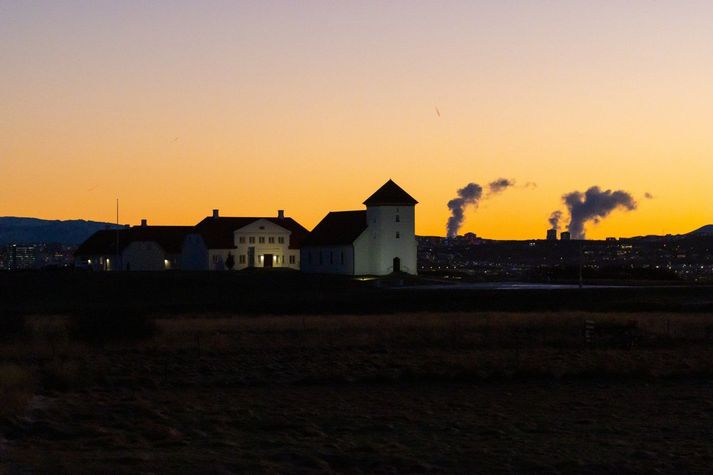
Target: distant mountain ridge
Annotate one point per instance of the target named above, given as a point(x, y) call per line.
point(707, 229)
point(14, 230)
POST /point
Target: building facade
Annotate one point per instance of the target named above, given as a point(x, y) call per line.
point(377, 241)
point(236, 243)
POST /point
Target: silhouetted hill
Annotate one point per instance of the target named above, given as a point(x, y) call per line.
point(34, 231)
point(708, 230)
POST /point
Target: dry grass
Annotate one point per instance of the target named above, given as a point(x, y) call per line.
point(17, 386)
point(369, 390)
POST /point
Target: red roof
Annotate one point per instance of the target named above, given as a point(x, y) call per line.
point(337, 228)
point(390, 194)
point(218, 232)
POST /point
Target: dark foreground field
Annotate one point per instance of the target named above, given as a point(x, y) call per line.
point(401, 393)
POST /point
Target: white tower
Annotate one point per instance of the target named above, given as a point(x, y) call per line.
point(391, 221)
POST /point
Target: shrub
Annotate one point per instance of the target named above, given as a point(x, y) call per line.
point(110, 324)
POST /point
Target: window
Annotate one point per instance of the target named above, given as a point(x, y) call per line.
point(398, 219)
point(281, 239)
point(261, 239)
point(292, 259)
point(242, 239)
point(342, 258)
point(271, 239)
point(251, 239)
point(242, 258)
point(331, 257)
point(320, 258)
point(309, 257)
point(398, 235)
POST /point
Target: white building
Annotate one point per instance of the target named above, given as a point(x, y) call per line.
point(140, 248)
point(223, 243)
point(376, 241)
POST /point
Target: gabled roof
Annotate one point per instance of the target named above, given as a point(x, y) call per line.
point(390, 194)
point(170, 238)
point(218, 232)
point(337, 228)
point(104, 242)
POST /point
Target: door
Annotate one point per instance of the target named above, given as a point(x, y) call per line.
point(397, 264)
point(251, 256)
point(267, 261)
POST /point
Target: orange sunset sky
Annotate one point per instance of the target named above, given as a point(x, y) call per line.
point(180, 107)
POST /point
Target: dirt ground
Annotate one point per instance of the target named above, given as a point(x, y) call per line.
point(386, 394)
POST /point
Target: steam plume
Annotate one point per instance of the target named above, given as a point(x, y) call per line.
point(554, 220)
point(495, 187)
point(468, 195)
point(593, 205)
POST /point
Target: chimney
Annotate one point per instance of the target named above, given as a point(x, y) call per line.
point(216, 213)
point(144, 223)
point(281, 214)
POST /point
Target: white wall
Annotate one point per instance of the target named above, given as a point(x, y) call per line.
point(265, 237)
point(383, 227)
point(362, 254)
point(194, 254)
point(328, 259)
point(147, 256)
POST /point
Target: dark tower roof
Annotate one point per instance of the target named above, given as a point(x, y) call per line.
point(390, 194)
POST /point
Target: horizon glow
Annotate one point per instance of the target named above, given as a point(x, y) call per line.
point(180, 107)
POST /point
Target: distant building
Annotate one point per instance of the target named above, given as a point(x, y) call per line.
point(565, 236)
point(248, 242)
point(213, 244)
point(139, 248)
point(551, 234)
point(376, 241)
point(21, 257)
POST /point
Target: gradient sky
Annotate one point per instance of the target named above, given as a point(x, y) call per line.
point(180, 107)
